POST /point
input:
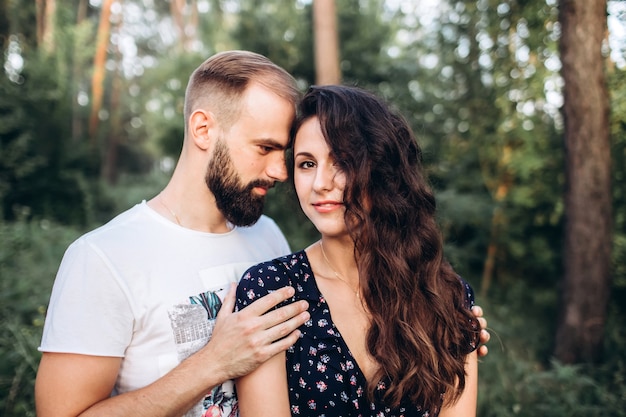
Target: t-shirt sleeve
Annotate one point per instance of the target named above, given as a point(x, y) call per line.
point(261, 280)
point(89, 312)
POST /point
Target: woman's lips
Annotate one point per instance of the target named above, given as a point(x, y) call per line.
point(327, 206)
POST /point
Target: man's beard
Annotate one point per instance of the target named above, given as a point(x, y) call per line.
point(235, 200)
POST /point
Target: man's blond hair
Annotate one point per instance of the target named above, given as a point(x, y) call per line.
point(219, 83)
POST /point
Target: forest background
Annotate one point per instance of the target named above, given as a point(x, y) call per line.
point(91, 123)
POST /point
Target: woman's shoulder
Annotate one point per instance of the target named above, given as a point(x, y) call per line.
point(282, 263)
point(271, 275)
point(276, 272)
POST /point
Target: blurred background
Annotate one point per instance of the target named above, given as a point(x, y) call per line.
point(91, 96)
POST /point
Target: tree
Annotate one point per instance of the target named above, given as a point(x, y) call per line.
point(4, 29)
point(46, 20)
point(99, 69)
point(185, 19)
point(491, 138)
point(326, 42)
point(588, 210)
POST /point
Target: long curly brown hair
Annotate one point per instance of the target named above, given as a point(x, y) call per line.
point(421, 328)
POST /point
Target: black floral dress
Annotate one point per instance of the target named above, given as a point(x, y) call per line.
point(323, 377)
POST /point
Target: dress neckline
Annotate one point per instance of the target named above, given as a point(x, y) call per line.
point(322, 300)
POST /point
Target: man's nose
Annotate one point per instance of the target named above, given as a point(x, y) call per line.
point(277, 169)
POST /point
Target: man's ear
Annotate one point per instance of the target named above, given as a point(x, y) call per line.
point(203, 128)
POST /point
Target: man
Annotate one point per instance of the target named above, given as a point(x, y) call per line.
point(131, 326)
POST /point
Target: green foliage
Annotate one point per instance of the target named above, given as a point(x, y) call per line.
point(131, 190)
point(29, 257)
point(617, 87)
point(286, 41)
point(526, 389)
point(42, 173)
point(159, 105)
point(474, 86)
point(515, 380)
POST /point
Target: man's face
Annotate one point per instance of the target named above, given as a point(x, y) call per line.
point(237, 201)
point(249, 157)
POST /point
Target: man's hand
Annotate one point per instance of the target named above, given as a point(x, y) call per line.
point(484, 334)
point(243, 340)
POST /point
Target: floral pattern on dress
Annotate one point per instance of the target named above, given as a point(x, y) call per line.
point(323, 377)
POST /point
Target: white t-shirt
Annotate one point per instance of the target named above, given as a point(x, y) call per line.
point(144, 289)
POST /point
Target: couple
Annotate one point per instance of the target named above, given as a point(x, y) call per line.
point(133, 327)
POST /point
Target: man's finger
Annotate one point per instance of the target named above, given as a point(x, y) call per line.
point(483, 323)
point(286, 314)
point(483, 351)
point(477, 311)
point(484, 336)
point(267, 302)
point(285, 343)
point(286, 326)
point(228, 303)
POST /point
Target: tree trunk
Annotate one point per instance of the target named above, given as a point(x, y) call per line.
point(109, 168)
point(588, 211)
point(50, 24)
point(186, 20)
point(499, 188)
point(5, 29)
point(77, 120)
point(46, 20)
point(99, 70)
point(81, 14)
point(177, 11)
point(326, 43)
point(40, 6)
point(111, 151)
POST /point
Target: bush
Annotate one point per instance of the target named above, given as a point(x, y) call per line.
point(29, 258)
point(518, 378)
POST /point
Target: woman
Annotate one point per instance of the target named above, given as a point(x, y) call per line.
point(391, 333)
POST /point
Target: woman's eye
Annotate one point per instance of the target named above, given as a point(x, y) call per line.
point(306, 164)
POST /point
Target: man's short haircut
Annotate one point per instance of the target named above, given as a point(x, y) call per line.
point(219, 83)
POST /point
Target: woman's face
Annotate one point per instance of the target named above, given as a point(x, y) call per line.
point(318, 180)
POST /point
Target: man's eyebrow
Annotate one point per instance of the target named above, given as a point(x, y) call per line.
point(269, 142)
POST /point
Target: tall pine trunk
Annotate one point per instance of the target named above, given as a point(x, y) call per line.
point(114, 135)
point(588, 211)
point(46, 22)
point(186, 20)
point(5, 29)
point(77, 69)
point(99, 69)
point(326, 43)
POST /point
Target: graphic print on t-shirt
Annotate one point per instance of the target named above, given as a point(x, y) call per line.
point(192, 325)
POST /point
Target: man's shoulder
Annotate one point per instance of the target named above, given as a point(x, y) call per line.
point(123, 217)
point(118, 228)
point(266, 237)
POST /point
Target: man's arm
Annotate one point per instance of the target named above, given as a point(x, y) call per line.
point(70, 385)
